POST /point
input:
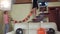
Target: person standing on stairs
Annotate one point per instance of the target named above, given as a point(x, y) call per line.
point(6, 21)
point(34, 7)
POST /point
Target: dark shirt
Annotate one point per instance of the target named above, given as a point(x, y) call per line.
point(35, 4)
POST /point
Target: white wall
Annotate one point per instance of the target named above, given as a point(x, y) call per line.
point(20, 11)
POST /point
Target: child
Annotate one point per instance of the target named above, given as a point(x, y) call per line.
point(6, 21)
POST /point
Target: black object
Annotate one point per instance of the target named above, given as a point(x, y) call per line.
point(19, 31)
point(35, 4)
point(50, 31)
point(43, 3)
point(35, 20)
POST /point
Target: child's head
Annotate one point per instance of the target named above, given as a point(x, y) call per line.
point(5, 12)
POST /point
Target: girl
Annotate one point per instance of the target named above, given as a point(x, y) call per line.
point(34, 7)
point(6, 21)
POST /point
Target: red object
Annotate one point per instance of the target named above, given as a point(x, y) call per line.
point(24, 20)
point(30, 14)
point(31, 11)
point(41, 31)
point(15, 21)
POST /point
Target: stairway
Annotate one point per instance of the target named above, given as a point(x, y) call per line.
point(39, 18)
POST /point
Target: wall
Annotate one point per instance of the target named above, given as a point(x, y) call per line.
point(1, 23)
point(20, 11)
point(52, 4)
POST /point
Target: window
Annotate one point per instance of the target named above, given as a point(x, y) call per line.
point(5, 5)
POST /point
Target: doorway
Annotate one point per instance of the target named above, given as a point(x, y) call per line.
point(54, 15)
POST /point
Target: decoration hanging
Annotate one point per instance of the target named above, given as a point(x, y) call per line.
point(25, 19)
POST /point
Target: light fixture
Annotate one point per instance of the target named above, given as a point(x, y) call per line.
point(5, 4)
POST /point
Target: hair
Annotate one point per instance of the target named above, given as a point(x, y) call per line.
point(5, 12)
